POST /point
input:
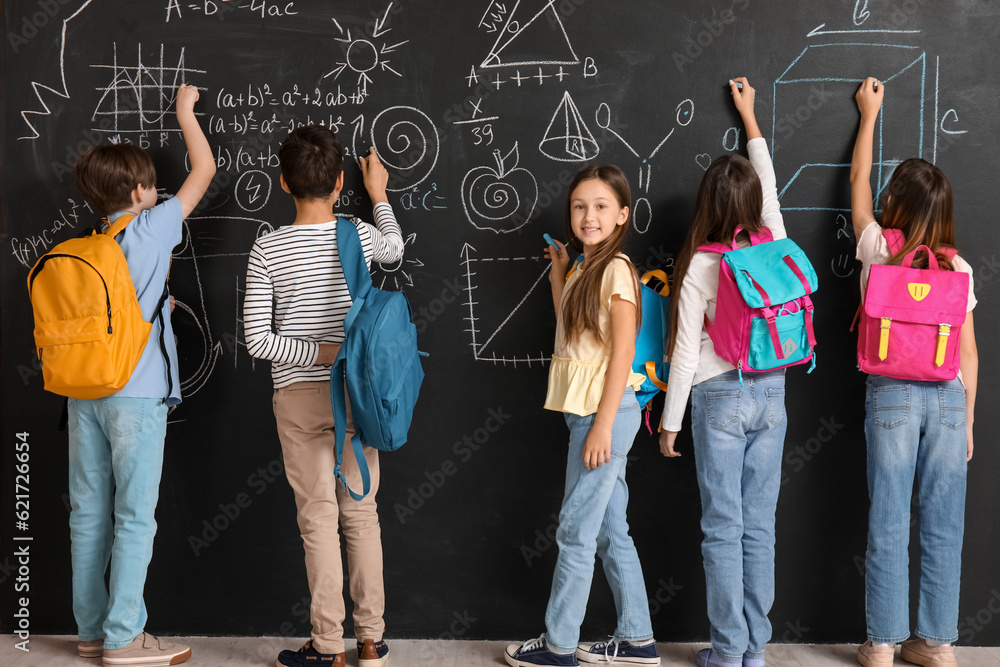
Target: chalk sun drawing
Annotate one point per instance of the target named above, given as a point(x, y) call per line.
point(362, 56)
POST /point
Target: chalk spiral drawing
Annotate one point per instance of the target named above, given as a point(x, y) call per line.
point(407, 144)
point(527, 39)
point(471, 266)
point(500, 199)
point(567, 138)
point(362, 56)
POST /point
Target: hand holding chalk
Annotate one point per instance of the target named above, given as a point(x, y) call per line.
point(869, 98)
point(743, 95)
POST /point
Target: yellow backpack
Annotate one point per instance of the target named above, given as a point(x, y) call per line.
point(89, 329)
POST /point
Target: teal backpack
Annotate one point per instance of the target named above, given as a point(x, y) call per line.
point(378, 358)
point(651, 341)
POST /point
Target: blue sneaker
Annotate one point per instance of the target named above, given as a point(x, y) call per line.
point(536, 652)
point(753, 662)
point(307, 655)
point(618, 652)
point(372, 653)
point(709, 658)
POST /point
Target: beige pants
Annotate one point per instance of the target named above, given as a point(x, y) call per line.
point(305, 428)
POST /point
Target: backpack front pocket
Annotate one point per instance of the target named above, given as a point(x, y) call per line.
point(793, 338)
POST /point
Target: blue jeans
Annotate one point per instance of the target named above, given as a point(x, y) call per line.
point(739, 435)
point(593, 520)
point(115, 459)
point(914, 428)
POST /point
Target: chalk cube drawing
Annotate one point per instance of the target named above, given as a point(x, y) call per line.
point(815, 120)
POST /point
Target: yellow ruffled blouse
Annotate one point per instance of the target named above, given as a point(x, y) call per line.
point(576, 376)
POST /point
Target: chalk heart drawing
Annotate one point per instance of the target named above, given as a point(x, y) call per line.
point(704, 160)
point(500, 199)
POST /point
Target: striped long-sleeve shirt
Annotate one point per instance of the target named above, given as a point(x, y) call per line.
point(297, 296)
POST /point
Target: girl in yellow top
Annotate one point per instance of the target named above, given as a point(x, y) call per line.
point(592, 383)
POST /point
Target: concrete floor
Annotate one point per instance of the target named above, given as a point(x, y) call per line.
point(60, 651)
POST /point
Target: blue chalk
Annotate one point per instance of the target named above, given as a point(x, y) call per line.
point(548, 239)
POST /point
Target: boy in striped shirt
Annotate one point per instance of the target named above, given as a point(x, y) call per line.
point(296, 299)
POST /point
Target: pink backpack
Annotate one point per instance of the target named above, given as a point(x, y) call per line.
point(911, 318)
point(763, 315)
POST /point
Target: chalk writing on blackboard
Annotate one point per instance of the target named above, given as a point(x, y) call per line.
point(362, 56)
point(488, 351)
point(501, 198)
point(567, 138)
point(395, 273)
point(528, 39)
point(407, 143)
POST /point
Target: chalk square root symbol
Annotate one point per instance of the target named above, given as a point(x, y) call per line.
point(808, 150)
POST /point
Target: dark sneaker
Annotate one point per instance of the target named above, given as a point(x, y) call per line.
point(618, 652)
point(93, 648)
point(147, 651)
point(307, 655)
point(372, 653)
point(536, 652)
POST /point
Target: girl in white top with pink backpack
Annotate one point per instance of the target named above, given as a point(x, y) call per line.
point(916, 335)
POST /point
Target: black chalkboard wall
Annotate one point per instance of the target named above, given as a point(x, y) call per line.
point(483, 110)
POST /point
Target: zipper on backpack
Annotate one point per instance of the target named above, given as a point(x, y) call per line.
point(883, 342)
point(944, 330)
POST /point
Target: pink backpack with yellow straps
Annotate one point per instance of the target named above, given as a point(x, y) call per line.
point(911, 318)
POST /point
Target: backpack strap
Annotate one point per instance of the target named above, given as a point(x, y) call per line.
point(359, 283)
point(574, 266)
point(113, 230)
point(894, 239)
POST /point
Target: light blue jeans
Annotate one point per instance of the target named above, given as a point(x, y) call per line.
point(115, 459)
point(593, 520)
point(914, 429)
point(739, 435)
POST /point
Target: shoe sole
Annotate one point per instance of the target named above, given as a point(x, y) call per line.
point(151, 661)
point(865, 661)
point(591, 659)
point(927, 661)
point(373, 662)
point(90, 652)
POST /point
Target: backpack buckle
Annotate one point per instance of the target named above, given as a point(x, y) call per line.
point(944, 330)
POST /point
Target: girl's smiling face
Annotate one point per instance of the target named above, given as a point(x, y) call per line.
point(595, 212)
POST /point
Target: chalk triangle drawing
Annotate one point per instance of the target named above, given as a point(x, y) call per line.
point(567, 138)
point(532, 36)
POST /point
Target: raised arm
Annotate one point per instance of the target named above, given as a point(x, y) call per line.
point(386, 236)
point(200, 153)
point(759, 157)
point(869, 102)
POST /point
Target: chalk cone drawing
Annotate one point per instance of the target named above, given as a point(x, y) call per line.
point(567, 138)
point(500, 199)
point(538, 40)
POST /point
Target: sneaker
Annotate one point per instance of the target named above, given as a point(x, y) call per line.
point(92, 648)
point(917, 651)
point(536, 652)
point(875, 656)
point(147, 651)
point(618, 652)
point(709, 658)
point(307, 655)
point(372, 653)
point(753, 662)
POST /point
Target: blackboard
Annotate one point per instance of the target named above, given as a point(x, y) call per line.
point(483, 110)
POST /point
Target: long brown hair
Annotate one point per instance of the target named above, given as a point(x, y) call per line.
point(730, 196)
point(581, 304)
point(920, 205)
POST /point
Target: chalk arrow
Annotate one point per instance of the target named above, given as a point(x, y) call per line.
point(465, 251)
point(345, 39)
point(390, 49)
point(409, 280)
point(819, 31)
point(380, 28)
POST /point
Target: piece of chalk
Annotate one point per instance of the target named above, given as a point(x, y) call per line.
point(875, 86)
point(738, 84)
point(548, 239)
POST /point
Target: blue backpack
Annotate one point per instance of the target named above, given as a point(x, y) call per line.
point(651, 340)
point(379, 359)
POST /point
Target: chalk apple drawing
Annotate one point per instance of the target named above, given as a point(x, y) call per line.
point(500, 199)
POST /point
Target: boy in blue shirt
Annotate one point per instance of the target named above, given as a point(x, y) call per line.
point(116, 442)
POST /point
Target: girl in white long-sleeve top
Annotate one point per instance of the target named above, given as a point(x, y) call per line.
point(738, 425)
